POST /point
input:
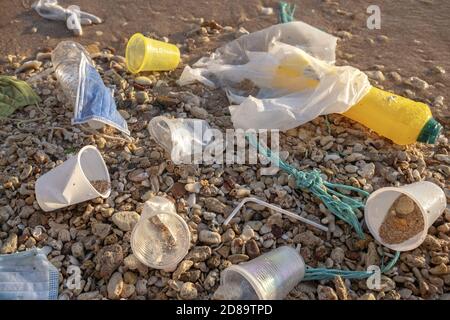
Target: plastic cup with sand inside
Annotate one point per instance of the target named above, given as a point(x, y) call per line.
point(270, 276)
point(429, 202)
point(80, 178)
point(161, 238)
point(145, 54)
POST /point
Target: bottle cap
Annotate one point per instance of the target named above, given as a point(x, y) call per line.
point(430, 132)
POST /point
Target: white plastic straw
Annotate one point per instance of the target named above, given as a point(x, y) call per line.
point(271, 206)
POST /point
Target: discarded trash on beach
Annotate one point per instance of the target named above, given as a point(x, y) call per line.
point(28, 275)
point(145, 54)
point(399, 217)
point(82, 177)
point(15, 94)
point(161, 238)
point(275, 208)
point(270, 276)
point(181, 138)
point(93, 102)
point(284, 76)
point(74, 17)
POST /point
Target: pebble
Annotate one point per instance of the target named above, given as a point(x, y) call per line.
point(109, 259)
point(228, 235)
point(115, 286)
point(141, 97)
point(326, 293)
point(101, 230)
point(266, 11)
point(143, 81)
point(238, 258)
point(350, 168)
point(248, 233)
point(10, 244)
point(77, 250)
point(199, 254)
point(338, 255)
point(367, 171)
point(199, 113)
point(188, 291)
point(376, 75)
point(209, 237)
point(29, 65)
point(418, 83)
point(127, 291)
point(125, 220)
point(252, 249)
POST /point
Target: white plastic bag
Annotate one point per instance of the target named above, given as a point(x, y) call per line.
point(292, 77)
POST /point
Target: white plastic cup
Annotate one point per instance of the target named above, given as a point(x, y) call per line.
point(428, 197)
point(147, 242)
point(69, 183)
point(270, 276)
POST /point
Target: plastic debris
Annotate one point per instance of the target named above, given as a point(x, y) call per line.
point(93, 102)
point(28, 275)
point(15, 94)
point(275, 208)
point(74, 17)
point(80, 178)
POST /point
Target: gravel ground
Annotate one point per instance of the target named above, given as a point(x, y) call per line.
point(96, 235)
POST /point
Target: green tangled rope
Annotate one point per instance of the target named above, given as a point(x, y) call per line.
point(339, 204)
point(286, 12)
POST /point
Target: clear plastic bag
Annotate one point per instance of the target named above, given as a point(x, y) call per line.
point(280, 77)
point(184, 139)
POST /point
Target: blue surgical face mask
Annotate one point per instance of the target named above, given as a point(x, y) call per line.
point(28, 275)
point(95, 102)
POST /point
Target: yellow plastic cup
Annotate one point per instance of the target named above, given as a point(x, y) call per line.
point(145, 54)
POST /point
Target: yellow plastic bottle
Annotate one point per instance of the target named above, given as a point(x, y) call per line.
point(402, 120)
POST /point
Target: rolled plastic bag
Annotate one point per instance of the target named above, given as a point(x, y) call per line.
point(280, 77)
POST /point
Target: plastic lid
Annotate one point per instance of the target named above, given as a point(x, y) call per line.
point(430, 132)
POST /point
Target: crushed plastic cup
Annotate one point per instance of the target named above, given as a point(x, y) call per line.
point(145, 54)
point(161, 238)
point(270, 276)
point(428, 197)
point(70, 182)
point(184, 139)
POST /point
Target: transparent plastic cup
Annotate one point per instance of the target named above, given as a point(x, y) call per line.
point(70, 182)
point(429, 198)
point(184, 139)
point(145, 54)
point(270, 276)
point(161, 238)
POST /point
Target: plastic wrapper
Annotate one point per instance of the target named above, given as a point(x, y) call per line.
point(280, 77)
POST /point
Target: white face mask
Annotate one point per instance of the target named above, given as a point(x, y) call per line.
point(28, 276)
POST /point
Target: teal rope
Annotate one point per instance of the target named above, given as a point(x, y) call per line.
point(327, 274)
point(286, 12)
point(339, 204)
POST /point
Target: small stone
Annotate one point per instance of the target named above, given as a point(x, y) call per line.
point(143, 81)
point(184, 266)
point(396, 77)
point(252, 249)
point(199, 254)
point(138, 175)
point(127, 291)
point(418, 83)
point(444, 227)
point(141, 287)
point(125, 220)
point(199, 112)
point(367, 296)
point(193, 187)
point(10, 244)
point(266, 11)
point(367, 171)
point(247, 233)
point(109, 259)
point(404, 205)
point(338, 255)
point(275, 219)
point(238, 258)
point(115, 286)
point(376, 75)
point(344, 34)
point(214, 205)
point(188, 291)
point(209, 237)
point(254, 224)
point(326, 293)
point(64, 235)
point(101, 230)
point(350, 168)
point(440, 269)
point(228, 235)
point(130, 277)
point(77, 250)
point(141, 97)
